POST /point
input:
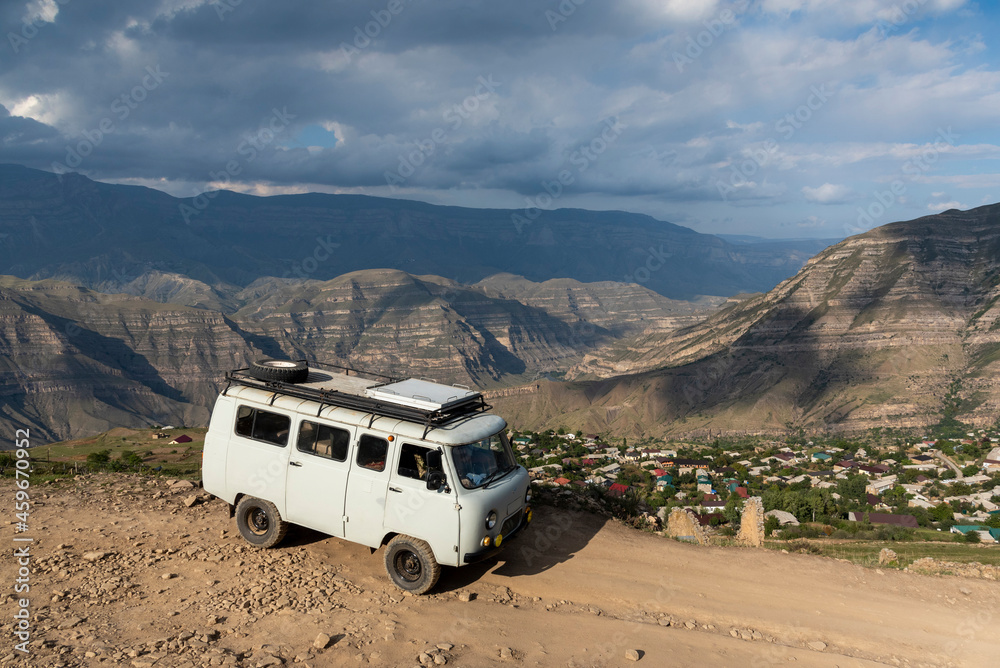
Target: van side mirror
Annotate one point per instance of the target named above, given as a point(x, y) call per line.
point(435, 470)
point(435, 480)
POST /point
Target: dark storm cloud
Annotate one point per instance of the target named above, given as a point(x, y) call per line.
point(395, 92)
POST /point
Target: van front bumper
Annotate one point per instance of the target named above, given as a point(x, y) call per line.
point(486, 553)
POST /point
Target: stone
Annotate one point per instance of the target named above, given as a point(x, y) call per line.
point(168, 576)
point(752, 523)
point(94, 556)
point(190, 501)
point(506, 654)
point(322, 641)
point(70, 622)
point(887, 556)
point(632, 654)
point(817, 645)
point(465, 596)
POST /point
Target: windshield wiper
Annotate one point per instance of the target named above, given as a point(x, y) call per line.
point(497, 475)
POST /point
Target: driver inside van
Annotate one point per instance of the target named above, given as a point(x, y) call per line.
point(472, 464)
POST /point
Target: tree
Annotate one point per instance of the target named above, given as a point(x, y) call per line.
point(942, 513)
point(733, 510)
point(99, 457)
point(854, 488)
point(895, 497)
point(130, 458)
point(973, 537)
point(771, 524)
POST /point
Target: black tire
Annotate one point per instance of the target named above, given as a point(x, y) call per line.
point(280, 370)
point(411, 565)
point(259, 522)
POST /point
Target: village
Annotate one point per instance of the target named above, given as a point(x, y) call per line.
point(891, 485)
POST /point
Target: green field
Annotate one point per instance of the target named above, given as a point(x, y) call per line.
point(182, 460)
point(865, 553)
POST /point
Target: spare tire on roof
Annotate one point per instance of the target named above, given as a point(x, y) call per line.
point(284, 371)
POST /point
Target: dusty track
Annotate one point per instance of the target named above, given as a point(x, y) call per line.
point(176, 586)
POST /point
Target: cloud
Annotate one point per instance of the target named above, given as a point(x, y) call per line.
point(828, 193)
point(938, 207)
point(367, 87)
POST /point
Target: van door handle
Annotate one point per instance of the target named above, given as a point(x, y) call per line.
point(395, 489)
point(295, 463)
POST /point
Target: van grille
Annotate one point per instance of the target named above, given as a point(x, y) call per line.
point(511, 523)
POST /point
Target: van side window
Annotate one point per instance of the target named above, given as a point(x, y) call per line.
point(263, 425)
point(372, 451)
point(412, 461)
point(323, 440)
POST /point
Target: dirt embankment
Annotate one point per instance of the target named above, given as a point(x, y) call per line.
point(124, 573)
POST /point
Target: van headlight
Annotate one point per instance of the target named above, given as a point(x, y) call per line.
point(527, 494)
point(491, 519)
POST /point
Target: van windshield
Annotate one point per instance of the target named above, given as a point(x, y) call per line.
point(480, 462)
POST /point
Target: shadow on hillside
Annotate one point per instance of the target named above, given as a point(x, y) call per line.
point(554, 536)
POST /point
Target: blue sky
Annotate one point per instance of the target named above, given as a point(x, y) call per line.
point(777, 118)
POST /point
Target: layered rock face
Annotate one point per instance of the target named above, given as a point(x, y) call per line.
point(876, 331)
point(74, 361)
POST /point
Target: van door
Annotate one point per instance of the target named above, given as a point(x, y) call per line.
point(364, 505)
point(317, 477)
point(258, 454)
point(412, 509)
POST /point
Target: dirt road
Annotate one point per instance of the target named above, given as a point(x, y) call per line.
point(122, 573)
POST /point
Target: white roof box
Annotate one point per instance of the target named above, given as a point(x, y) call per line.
point(422, 394)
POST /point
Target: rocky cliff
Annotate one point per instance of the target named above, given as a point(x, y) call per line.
point(74, 361)
point(879, 330)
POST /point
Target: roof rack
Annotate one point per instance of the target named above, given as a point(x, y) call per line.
point(385, 397)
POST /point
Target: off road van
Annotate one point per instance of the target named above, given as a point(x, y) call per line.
point(421, 468)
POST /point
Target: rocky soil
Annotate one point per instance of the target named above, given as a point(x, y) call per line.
point(132, 571)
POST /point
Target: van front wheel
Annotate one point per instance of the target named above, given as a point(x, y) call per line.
point(411, 565)
point(259, 522)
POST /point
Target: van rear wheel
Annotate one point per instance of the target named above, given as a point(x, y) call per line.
point(411, 565)
point(259, 522)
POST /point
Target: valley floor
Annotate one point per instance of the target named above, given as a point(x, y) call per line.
point(124, 573)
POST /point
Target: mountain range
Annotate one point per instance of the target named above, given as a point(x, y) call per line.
point(123, 308)
point(892, 328)
point(74, 361)
point(106, 237)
